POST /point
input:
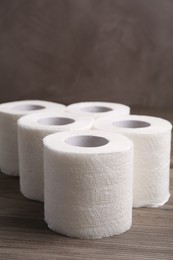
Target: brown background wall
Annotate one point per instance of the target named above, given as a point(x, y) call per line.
point(75, 50)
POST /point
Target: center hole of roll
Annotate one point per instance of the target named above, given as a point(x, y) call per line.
point(96, 109)
point(131, 124)
point(86, 141)
point(55, 121)
point(28, 107)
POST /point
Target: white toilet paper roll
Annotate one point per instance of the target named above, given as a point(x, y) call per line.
point(31, 130)
point(9, 114)
point(152, 142)
point(99, 109)
point(88, 183)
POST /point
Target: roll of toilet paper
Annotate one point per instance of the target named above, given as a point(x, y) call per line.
point(9, 114)
point(88, 183)
point(152, 142)
point(31, 131)
point(99, 109)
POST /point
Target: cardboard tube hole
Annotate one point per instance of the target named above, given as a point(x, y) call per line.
point(55, 121)
point(28, 107)
point(96, 109)
point(131, 124)
point(86, 141)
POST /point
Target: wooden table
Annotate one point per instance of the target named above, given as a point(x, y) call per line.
point(24, 234)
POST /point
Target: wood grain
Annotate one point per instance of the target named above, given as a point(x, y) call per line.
point(24, 234)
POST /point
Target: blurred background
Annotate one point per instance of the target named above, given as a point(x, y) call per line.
point(85, 50)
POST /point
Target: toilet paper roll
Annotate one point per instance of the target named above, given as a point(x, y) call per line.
point(99, 109)
point(152, 143)
point(9, 114)
point(31, 131)
point(88, 183)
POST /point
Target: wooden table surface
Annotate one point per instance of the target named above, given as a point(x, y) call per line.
point(24, 234)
